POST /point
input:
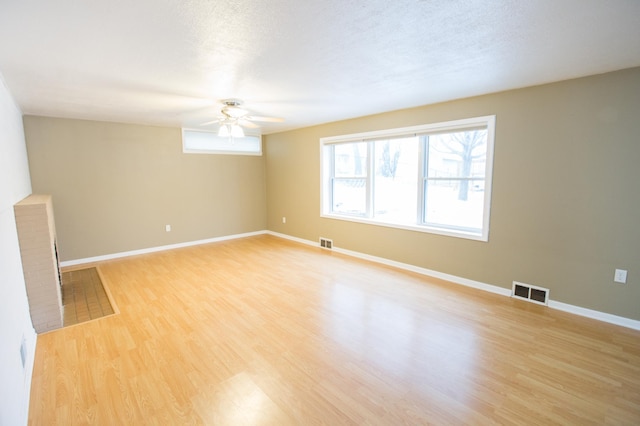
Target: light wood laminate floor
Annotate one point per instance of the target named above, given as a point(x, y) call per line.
point(263, 331)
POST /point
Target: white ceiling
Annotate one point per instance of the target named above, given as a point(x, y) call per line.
point(170, 62)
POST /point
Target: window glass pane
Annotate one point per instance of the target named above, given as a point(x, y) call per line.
point(350, 196)
point(459, 154)
point(350, 159)
point(456, 204)
point(395, 190)
point(194, 141)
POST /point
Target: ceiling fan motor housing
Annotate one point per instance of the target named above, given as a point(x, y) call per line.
point(232, 108)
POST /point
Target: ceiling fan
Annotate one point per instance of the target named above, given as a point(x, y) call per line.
point(234, 118)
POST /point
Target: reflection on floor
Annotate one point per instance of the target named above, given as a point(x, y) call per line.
point(262, 330)
point(83, 296)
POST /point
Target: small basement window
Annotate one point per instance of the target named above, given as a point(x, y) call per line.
point(206, 142)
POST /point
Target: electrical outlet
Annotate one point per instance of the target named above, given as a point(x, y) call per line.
point(167, 228)
point(620, 276)
point(284, 219)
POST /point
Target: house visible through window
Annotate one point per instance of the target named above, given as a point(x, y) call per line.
point(432, 178)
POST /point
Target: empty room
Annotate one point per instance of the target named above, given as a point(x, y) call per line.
point(326, 212)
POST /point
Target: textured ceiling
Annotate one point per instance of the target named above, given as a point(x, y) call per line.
point(170, 62)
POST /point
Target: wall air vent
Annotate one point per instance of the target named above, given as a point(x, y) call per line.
point(326, 243)
point(530, 293)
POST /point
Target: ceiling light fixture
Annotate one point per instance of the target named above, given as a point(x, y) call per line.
point(230, 131)
point(236, 131)
point(233, 119)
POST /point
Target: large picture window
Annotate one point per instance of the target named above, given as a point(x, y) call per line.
point(432, 178)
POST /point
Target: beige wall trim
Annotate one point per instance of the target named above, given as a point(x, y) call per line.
point(156, 249)
point(577, 310)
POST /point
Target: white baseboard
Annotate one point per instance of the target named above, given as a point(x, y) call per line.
point(156, 249)
point(32, 343)
point(597, 315)
point(577, 310)
point(407, 267)
point(296, 239)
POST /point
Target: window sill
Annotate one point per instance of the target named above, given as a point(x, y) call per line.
point(415, 228)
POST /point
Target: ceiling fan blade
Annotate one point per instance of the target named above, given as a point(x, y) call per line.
point(264, 119)
point(211, 122)
point(248, 124)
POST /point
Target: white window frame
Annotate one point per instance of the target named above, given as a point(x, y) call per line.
point(326, 167)
point(195, 141)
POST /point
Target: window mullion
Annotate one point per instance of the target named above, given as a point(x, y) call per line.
point(332, 177)
point(423, 164)
point(370, 179)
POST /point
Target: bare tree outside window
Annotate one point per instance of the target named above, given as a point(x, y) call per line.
point(357, 160)
point(468, 146)
point(389, 164)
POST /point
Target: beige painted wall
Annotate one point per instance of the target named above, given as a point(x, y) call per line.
point(116, 186)
point(566, 195)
